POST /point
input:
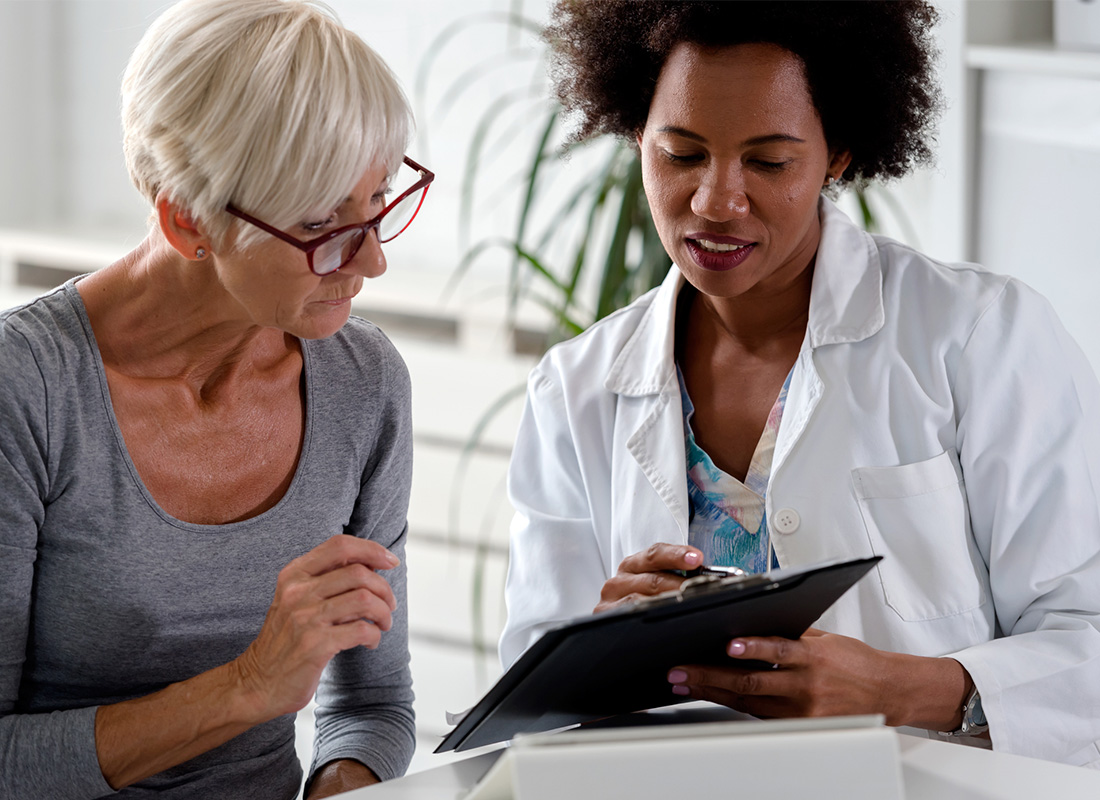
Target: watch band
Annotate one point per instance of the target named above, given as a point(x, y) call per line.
point(973, 721)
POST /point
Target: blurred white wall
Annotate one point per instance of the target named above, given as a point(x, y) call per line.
point(1014, 187)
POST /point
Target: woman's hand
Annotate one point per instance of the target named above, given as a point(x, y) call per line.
point(648, 572)
point(328, 600)
point(824, 674)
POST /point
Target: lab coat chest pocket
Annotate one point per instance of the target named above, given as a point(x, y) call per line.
point(917, 518)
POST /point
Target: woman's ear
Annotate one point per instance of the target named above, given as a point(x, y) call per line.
point(181, 230)
point(838, 162)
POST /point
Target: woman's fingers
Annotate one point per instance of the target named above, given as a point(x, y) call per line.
point(356, 604)
point(350, 578)
point(340, 551)
point(357, 633)
point(329, 600)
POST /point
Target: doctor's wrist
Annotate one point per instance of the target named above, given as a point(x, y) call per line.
point(928, 693)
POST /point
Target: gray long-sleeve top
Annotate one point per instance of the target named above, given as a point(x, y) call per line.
point(105, 597)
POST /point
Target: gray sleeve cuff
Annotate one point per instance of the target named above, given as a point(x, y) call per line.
point(384, 741)
point(51, 755)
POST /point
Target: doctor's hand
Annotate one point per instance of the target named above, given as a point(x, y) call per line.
point(824, 674)
point(648, 572)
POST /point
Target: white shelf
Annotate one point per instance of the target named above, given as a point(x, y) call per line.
point(1040, 57)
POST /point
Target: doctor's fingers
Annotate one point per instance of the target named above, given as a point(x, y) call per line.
point(772, 649)
point(762, 706)
point(662, 556)
point(764, 682)
point(628, 586)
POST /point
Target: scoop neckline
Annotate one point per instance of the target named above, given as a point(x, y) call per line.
point(77, 302)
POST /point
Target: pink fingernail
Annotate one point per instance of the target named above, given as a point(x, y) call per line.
point(677, 676)
point(683, 691)
point(693, 557)
point(736, 648)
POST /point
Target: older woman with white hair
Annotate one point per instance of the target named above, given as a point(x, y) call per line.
point(204, 459)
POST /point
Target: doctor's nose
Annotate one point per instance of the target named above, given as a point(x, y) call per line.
point(721, 197)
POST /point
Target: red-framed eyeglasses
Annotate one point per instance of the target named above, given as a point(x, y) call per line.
point(333, 250)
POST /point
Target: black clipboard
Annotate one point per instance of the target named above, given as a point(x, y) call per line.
point(616, 662)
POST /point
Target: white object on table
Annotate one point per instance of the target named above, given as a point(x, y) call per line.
point(840, 758)
point(931, 770)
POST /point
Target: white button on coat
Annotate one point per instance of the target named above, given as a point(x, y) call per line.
point(787, 520)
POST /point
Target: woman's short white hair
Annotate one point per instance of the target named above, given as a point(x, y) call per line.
point(271, 105)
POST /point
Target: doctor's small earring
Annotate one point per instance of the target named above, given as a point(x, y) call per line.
point(200, 254)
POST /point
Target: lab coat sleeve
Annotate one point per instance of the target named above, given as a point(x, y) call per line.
point(1029, 443)
point(555, 570)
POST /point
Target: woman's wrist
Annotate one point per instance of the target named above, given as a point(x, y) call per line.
point(927, 692)
point(138, 738)
point(246, 692)
point(342, 775)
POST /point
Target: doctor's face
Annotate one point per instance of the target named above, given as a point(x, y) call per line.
point(733, 161)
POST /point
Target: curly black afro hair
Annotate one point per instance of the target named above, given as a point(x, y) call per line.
point(869, 65)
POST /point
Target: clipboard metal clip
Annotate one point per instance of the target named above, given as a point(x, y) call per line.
point(704, 581)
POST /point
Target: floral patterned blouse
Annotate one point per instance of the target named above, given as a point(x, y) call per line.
point(728, 519)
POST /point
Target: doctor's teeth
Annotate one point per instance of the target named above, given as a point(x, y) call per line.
point(716, 247)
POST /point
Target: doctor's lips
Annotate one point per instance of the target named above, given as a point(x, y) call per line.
point(714, 251)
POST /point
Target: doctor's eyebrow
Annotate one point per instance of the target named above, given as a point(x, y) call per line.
point(753, 142)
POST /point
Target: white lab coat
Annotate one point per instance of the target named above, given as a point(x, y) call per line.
point(938, 415)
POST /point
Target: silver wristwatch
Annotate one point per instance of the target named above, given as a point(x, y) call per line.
point(973, 722)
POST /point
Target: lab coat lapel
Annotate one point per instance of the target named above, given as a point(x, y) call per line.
point(845, 306)
point(644, 377)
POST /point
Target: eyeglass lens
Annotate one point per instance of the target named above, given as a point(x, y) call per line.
point(334, 254)
point(400, 216)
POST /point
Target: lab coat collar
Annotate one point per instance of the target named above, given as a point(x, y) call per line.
point(846, 296)
point(845, 306)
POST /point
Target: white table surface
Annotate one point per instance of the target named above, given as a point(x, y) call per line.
point(931, 770)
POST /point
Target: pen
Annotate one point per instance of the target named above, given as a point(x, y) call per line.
point(721, 572)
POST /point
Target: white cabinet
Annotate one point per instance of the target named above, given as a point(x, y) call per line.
point(1038, 181)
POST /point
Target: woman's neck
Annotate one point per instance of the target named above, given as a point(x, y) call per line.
point(157, 315)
